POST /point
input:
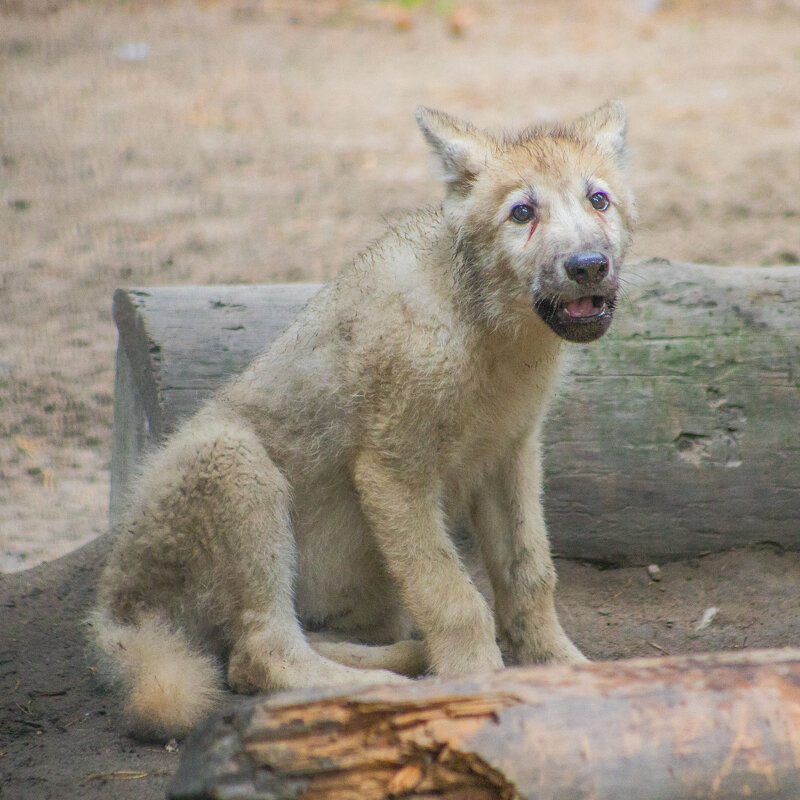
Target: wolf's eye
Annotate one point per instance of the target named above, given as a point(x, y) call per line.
point(523, 213)
point(599, 201)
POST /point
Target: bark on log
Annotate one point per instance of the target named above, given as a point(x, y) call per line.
point(673, 435)
point(712, 726)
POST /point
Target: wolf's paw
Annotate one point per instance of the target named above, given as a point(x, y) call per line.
point(559, 651)
point(467, 661)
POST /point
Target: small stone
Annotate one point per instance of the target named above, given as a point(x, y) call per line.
point(654, 571)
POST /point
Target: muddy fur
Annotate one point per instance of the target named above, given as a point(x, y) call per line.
point(297, 530)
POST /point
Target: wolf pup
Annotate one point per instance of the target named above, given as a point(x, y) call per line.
point(297, 530)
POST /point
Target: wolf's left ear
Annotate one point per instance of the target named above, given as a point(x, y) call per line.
point(607, 126)
point(460, 148)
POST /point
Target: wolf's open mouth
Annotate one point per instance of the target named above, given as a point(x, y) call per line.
point(585, 308)
point(583, 319)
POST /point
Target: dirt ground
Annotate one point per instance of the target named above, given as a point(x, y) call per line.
point(244, 141)
point(60, 736)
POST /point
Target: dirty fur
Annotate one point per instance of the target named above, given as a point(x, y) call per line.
point(297, 531)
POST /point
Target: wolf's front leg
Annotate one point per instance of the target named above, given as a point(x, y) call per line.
point(509, 525)
point(407, 521)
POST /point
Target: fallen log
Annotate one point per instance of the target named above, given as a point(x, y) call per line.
point(673, 435)
point(711, 726)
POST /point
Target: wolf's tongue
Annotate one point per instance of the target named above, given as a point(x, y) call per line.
point(582, 307)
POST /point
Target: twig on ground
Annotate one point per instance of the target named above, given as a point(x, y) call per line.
point(125, 775)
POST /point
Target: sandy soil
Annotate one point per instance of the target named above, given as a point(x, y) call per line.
point(149, 143)
point(245, 141)
point(61, 737)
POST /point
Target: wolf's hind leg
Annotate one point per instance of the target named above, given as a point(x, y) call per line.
point(406, 657)
point(266, 658)
point(252, 552)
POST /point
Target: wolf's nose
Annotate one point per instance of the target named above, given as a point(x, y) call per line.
point(589, 267)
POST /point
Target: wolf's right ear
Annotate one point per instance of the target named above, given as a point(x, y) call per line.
point(460, 148)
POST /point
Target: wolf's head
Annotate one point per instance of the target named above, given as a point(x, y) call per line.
point(541, 220)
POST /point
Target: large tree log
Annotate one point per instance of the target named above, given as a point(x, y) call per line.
point(673, 435)
point(723, 726)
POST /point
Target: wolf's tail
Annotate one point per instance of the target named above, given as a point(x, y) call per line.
point(169, 685)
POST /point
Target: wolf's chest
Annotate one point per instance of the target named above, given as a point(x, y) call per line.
point(499, 411)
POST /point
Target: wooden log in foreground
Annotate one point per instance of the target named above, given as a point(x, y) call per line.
point(675, 434)
point(712, 726)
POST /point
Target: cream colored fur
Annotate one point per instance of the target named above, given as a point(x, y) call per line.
point(297, 530)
